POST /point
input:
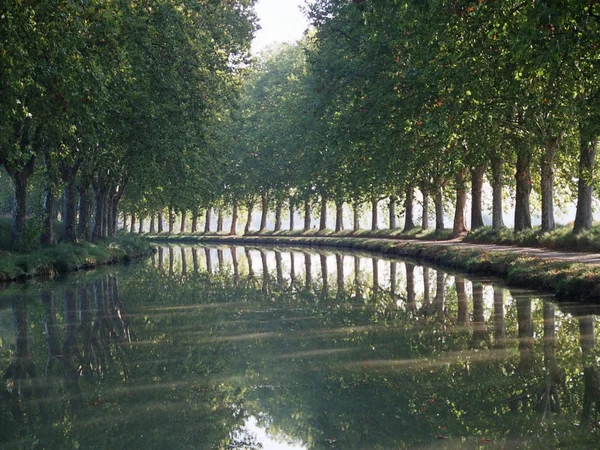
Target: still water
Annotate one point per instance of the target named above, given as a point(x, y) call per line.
point(279, 348)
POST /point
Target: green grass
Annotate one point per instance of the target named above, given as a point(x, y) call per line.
point(560, 239)
point(47, 262)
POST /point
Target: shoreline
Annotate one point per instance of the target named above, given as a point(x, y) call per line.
point(568, 279)
point(49, 262)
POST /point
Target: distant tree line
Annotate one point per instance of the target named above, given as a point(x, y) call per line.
point(132, 109)
point(420, 101)
point(98, 98)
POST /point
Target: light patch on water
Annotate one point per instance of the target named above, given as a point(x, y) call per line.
point(269, 443)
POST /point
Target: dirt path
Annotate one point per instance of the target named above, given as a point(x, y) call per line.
point(533, 252)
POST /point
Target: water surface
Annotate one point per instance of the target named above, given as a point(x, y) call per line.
point(275, 348)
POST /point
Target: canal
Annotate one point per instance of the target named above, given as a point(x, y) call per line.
point(293, 348)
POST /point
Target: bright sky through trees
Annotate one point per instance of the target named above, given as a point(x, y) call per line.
point(280, 21)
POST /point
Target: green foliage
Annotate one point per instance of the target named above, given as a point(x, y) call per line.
point(30, 237)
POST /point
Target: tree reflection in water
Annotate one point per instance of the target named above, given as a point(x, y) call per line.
point(378, 361)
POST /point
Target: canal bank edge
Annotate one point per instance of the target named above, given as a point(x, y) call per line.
point(569, 281)
point(47, 263)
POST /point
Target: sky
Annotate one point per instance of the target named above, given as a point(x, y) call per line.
point(280, 21)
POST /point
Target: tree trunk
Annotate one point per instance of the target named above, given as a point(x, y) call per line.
point(264, 205)
point(115, 199)
point(306, 215)
point(525, 333)
point(152, 224)
point(587, 342)
point(108, 227)
point(477, 196)
point(425, 212)
point(523, 190)
point(69, 219)
point(265, 273)
point(393, 279)
point(207, 220)
point(439, 300)
point(85, 208)
point(323, 218)
point(411, 296)
point(278, 214)
point(21, 182)
point(171, 220)
point(209, 260)
point(551, 147)
point(499, 322)
point(132, 229)
point(409, 222)
point(307, 271)
point(49, 206)
point(183, 262)
point(357, 277)
point(587, 160)
point(392, 213)
point(497, 185)
point(124, 221)
point(141, 226)
point(292, 213)
point(426, 290)
point(463, 302)
point(106, 213)
point(220, 220)
point(249, 261)
point(172, 260)
point(234, 218)
point(99, 211)
point(460, 225)
point(339, 216)
point(339, 263)
point(195, 220)
point(160, 221)
point(235, 264)
point(292, 270)
point(324, 276)
point(183, 221)
point(374, 214)
point(438, 199)
point(479, 329)
point(375, 270)
point(550, 341)
point(355, 217)
point(49, 211)
point(249, 220)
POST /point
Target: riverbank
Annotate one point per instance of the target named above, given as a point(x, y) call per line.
point(48, 262)
point(570, 276)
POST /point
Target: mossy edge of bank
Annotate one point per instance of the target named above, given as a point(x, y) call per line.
point(48, 262)
point(567, 280)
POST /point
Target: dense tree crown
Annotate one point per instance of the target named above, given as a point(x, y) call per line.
point(101, 98)
point(153, 109)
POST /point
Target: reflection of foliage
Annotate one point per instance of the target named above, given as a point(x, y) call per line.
point(332, 365)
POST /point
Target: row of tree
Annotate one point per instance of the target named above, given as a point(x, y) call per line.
point(386, 98)
point(133, 107)
point(101, 97)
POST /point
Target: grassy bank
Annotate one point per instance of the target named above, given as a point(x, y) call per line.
point(560, 239)
point(567, 280)
point(63, 258)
